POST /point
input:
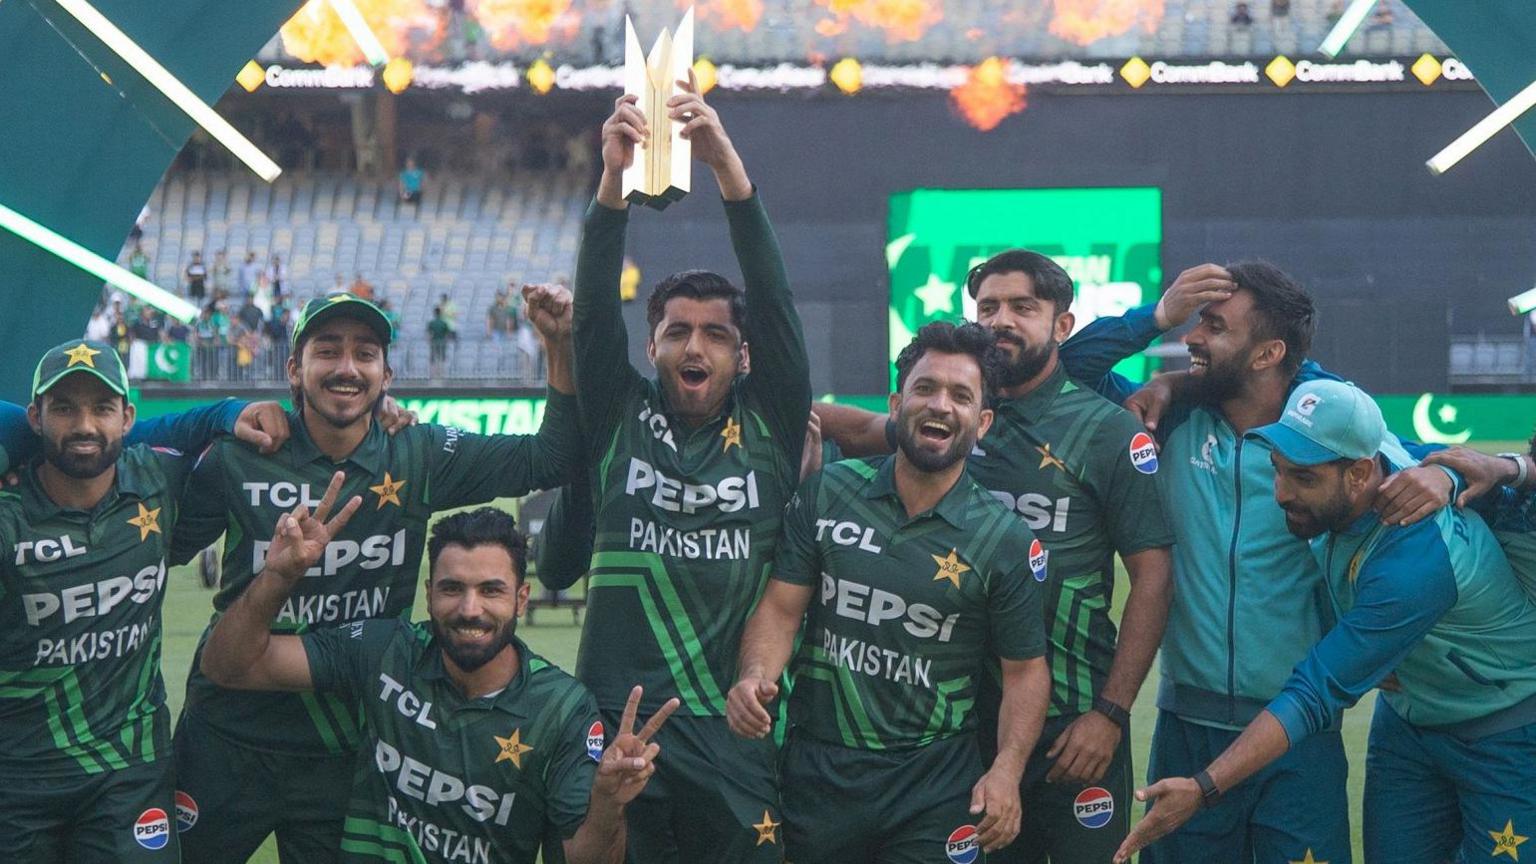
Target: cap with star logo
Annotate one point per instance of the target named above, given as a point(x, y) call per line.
point(346, 305)
point(80, 355)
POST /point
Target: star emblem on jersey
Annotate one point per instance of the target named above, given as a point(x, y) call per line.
point(767, 830)
point(512, 748)
point(1308, 859)
point(950, 567)
point(81, 353)
point(1049, 458)
point(731, 433)
point(1507, 842)
point(148, 522)
point(388, 491)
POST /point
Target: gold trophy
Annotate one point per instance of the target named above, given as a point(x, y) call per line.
point(662, 165)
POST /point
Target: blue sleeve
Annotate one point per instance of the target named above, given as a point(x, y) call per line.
point(1090, 354)
point(16, 436)
point(1400, 592)
point(191, 430)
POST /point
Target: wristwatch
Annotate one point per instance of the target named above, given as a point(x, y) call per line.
point(1119, 716)
point(1521, 468)
point(1209, 794)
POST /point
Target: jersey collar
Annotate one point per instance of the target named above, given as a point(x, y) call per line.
point(131, 481)
point(368, 456)
point(431, 668)
point(951, 507)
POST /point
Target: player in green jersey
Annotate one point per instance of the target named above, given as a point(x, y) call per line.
point(253, 763)
point(924, 581)
point(476, 748)
point(84, 731)
point(689, 474)
point(1082, 472)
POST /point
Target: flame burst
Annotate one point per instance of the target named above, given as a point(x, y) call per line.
point(902, 20)
point(987, 98)
point(1087, 21)
point(740, 15)
point(512, 24)
point(315, 33)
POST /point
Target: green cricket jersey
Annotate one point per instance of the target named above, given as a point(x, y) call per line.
point(371, 570)
point(909, 611)
point(686, 519)
point(1083, 474)
point(80, 598)
point(442, 778)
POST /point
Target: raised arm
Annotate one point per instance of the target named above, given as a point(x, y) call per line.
point(855, 431)
point(564, 550)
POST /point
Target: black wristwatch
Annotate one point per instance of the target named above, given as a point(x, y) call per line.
point(1209, 794)
point(1119, 716)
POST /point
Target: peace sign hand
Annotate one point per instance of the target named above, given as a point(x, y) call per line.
point(629, 762)
point(301, 538)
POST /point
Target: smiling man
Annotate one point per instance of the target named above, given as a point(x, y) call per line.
point(925, 581)
point(252, 763)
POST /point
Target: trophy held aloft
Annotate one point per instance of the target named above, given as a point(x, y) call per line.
point(662, 164)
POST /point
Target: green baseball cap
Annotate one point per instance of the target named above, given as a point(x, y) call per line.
point(1324, 421)
point(80, 355)
point(343, 304)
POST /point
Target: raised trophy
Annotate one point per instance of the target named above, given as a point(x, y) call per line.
point(662, 165)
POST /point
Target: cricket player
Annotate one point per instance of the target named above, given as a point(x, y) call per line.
point(1082, 472)
point(476, 749)
point(1451, 765)
point(924, 580)
point(689, 473)
point(251, 763)
point(1248, 601)
point(84, 731)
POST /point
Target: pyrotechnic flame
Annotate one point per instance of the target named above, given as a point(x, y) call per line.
point(987, 98)
point(315, 33)
point(1087, 21)
point(902, 20)
point(740, 15)
point(512, 24)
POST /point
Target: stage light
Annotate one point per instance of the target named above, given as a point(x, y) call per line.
point(1523, 302)
point(1347, 24)
point(1473, 138)
point(51, 241)
point(172, 88)
point(362, 34)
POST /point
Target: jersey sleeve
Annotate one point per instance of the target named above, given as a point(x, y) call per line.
point(573, 767)
point(191, 430)
point(1015, 608)
point(1090, 354)
point(600, 342)
point(781, 371)
point(469, 468)
point(16, 437)
point(1401, 590)
point(1127, 487)
point(346, 659)
point(798, 561)
point(564, 548)
point(203, 513)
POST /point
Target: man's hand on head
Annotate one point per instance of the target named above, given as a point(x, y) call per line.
point(1195, 287)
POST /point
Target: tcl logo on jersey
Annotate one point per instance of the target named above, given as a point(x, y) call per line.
point(963, 846)
point(657, 423)
point(729, 495)
point(1038, 558)
point(152, 829)
point(416, 779)
point(282, 494)
point(370, 553)
point(186, 812)
point(872, 605)
point(407, 703)
point(94, 599)
point(848, 534)
point(1094, 807)
point(48, 550)
point(595, 741)
point(1144, 453)
point(1037, 510)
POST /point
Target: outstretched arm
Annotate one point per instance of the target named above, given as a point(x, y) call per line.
point(855, 431)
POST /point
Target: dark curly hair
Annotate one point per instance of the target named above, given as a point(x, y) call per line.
point(695, 285)
point(1051, 282)
point(484, 526)
point(947, 338)
point(1282, 308)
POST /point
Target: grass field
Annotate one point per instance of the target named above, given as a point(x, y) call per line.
point(187, 606)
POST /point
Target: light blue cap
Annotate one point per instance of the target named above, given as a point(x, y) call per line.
point(1324, 421)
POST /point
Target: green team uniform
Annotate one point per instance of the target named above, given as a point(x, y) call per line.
point(84, 731)
point(258, 762)
point(908, 615)
point(1082, 472)
point(443, 779)
point(686, 524)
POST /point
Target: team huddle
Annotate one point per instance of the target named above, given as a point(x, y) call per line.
point(812, 636)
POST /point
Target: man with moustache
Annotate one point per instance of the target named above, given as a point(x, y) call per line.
point(689, 473)
point(1451, 765)
point(251, 763)
point(476, 748)
point(1248, 602)
point(925, 581)
point(1082, 473)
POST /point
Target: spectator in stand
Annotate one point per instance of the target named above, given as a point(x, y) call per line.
point(249, 271)
point(119, 328)
point(275, 273)
point(411, 178)
point(206, 336)
point(450, 312)
point(138, 262)
point(99, 328)
point(177, 331)
point(136, 233)
point(438, 332)
point(250, 315)
point(1382, 17)
point(498, 317)
point(279, 325)
point(1280, 8)
point(341, 284)
point(220, 275)
point(361, 287)
point(1241, 17)
point(390, 314)
point(197, 277)
point(146, 330)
